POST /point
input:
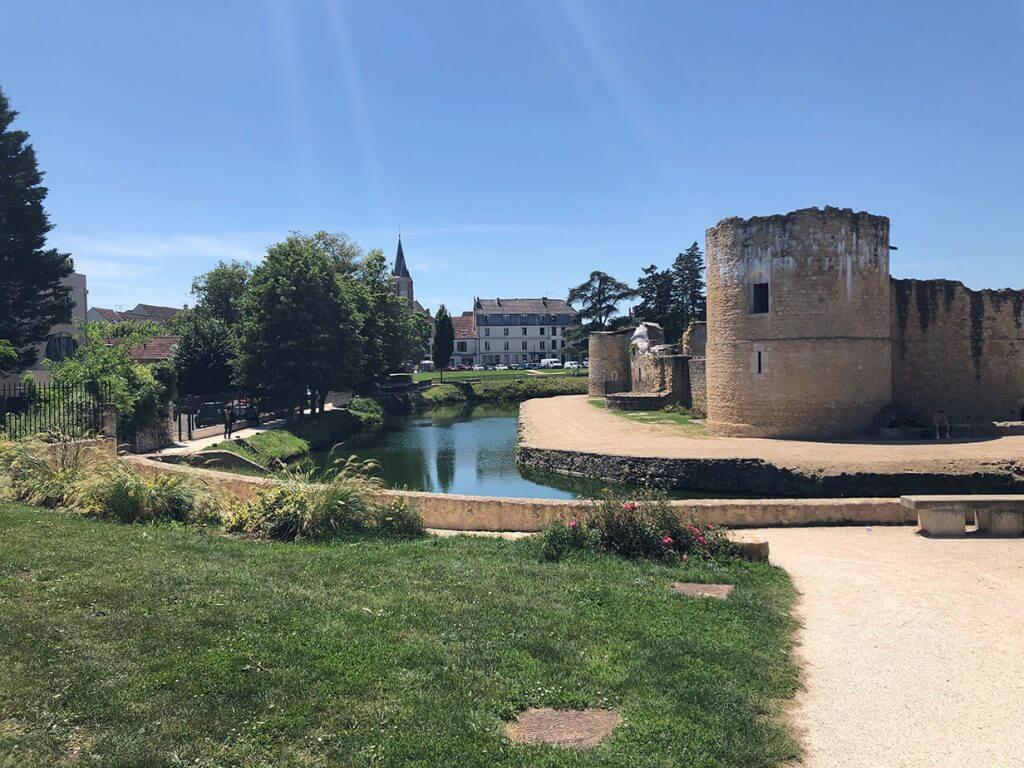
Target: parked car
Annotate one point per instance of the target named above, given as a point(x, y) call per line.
point(550, 362)
point(572, 364)
point(479, 368)
point(501, 367)
point(426, 365)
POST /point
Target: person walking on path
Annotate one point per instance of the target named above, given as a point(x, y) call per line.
point(229, 421)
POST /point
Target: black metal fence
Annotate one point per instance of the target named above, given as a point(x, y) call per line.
point(28, 408)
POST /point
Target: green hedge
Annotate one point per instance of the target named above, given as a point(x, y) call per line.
point(497, 390)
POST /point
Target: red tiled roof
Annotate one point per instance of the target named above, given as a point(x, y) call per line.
point(465, 326)
point(155, 350)
point(110, 315)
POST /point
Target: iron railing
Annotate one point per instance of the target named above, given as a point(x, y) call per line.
point(30, 408)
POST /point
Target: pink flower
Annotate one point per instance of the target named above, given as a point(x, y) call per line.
point(667, 541)
point(573, 524)
point(629, 506)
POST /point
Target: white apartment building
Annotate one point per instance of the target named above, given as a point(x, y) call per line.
point(520, 330)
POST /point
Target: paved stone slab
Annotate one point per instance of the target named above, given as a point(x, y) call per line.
point(563, 727)
point(717, 591)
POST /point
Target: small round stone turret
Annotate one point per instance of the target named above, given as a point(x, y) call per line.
point(609, 362)
point(798, 315)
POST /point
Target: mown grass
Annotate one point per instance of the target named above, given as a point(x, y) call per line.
point(497, 390)
point(165, 646)
point(464, 375)
point(295, 440)
point(683, 421)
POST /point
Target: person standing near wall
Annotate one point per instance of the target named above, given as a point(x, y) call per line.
point(229, 421)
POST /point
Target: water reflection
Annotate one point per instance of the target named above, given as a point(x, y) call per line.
point(456, 450)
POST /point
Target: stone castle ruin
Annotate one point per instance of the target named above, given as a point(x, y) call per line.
point(809, 336)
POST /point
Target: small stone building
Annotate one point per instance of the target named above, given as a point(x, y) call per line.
point(809, 336)
point(634, 369)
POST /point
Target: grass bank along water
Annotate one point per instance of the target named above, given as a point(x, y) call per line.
point(299, 438)
point(150, 645)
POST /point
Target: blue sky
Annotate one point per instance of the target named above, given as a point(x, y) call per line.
point(518, 145)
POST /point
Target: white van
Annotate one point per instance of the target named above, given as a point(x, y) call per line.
point(551, 362)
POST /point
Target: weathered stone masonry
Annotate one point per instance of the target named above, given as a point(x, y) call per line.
point(808, 336)
point(957, 349)
point(839, 347)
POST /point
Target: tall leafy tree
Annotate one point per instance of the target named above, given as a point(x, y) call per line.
point(202, 356)
point(444, 339)
point(32, 298)
point(394, 335)
point(299, 329)
point(219, 292)
point(597, 300)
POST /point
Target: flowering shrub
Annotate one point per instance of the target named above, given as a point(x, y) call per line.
point(642, 526)
point(560, 538)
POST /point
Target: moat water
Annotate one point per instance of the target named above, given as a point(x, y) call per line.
point(470, 450)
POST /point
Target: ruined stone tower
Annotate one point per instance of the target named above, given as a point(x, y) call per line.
point(799, 341)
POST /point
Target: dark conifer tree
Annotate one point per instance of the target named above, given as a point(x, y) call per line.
point(32, 298)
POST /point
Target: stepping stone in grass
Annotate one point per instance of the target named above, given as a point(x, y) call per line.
point(717, 591)
point(563, 727)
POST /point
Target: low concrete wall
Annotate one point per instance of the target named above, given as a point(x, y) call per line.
point(486, 513)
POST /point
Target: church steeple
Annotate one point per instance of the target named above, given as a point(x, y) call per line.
point(400, 270)
point(401, 280)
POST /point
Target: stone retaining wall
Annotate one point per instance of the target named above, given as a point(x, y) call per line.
point(756, 476)
point(485, 513)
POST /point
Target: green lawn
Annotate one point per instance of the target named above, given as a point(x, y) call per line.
point(295, 440)
point(463, 375)
point(683, 421)
point(166, 646)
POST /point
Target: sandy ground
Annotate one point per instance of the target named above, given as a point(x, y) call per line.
point(570, 423)
point(912, 649)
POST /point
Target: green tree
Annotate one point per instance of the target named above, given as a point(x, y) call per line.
point(299, 329)
point(597, 300)
point(656, 291)
point(8, 357)
point(203, 354)
point(444, 340)
point(32, 298)
point(219, 292)
point(393, 334)
point(103, 363)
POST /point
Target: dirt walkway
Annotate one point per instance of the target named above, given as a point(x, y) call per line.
point(570, 423)
point(912, 649)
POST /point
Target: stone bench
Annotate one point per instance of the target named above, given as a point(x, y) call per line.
point(1001, 515)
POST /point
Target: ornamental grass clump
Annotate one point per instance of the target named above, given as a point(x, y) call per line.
point(115, 490)
point(642, 526)
point(316, 504)
point(43, 471)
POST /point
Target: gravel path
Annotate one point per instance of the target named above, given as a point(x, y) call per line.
point(570, 423)
point(912, 649)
